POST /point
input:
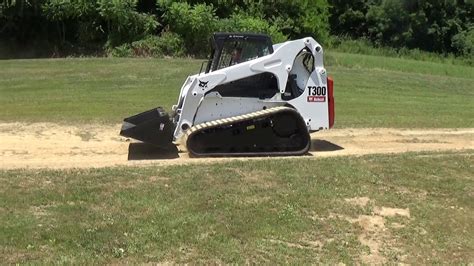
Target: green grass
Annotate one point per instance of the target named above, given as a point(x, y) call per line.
point(366, 47)
point(269, 211)
point(371, 91)
point(84, 90)
point(374, 91)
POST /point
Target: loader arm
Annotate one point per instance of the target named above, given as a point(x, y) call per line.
point(279, 64)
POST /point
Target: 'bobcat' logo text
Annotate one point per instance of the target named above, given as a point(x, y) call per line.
point(203, 84)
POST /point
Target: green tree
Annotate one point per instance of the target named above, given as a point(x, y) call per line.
point(294, 19)
point(463, 42)
point(348, 17)
point(245, 23)
point(124, 23)
point(194, 23)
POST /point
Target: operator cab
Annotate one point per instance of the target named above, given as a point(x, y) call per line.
point(229, 49)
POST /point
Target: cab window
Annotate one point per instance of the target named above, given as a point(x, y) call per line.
point(239, 51)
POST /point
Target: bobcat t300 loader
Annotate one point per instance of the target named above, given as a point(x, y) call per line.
point(252, 99)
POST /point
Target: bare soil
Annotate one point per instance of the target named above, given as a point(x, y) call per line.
point(48, 145)
point(375, 234)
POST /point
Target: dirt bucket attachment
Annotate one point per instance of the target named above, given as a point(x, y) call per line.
point(153, 126)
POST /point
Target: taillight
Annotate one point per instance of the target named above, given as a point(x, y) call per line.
point(331, 102)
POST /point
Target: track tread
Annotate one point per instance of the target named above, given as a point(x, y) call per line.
point(241, 118)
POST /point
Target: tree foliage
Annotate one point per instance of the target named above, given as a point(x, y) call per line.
point(145, 27)
point(194, 23)
point(442, 26)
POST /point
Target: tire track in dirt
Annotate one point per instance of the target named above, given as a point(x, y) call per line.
point(48, 145)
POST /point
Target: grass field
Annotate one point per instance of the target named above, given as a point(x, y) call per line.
point(371, 91)
point(412, 208)
point(277, 210)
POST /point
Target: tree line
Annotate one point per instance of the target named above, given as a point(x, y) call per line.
point(177, 28)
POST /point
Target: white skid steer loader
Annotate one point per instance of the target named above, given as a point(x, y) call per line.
point(252, 99)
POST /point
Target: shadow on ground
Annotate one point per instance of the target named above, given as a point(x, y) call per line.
point(145, 151)
point(319, 145)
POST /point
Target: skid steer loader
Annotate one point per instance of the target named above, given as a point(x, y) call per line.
point(252, 99)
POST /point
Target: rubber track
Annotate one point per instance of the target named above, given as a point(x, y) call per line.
point(240, 118)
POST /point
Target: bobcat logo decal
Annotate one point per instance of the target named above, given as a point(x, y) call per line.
point(203, 84)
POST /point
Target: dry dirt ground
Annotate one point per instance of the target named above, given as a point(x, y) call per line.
point(47, 145)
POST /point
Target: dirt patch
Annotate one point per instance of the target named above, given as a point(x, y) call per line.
point(390, 212)
point(358, 201)
point(48, 145)
point(304, 244)
point(38, 211)
point(375, 234)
